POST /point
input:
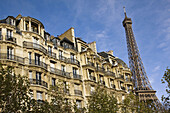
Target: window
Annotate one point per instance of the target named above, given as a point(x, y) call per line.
point(60, 53)
point(63, 68)
point(37, 59)
point(38, 76)
point(74, 71)
point(30, 74)
point(9, 34)
point(97, 65)
point(72, 56)
point(53, 81)
point(78, 102)
point(39, 95)
point(10, 53)
point(29, 57)
point(50, 50)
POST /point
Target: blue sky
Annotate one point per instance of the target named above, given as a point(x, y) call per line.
point(101, 21)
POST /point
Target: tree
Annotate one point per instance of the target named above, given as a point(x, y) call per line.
point(129, 104)
point(132, 104)
point(166, 100)
point(14, 91)
point(102, 102)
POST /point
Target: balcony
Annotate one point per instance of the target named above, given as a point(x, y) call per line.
point(110, 73)
point(11, 57)
point(59, 72)
point(73, 61)
point(76, 76)
point(37, 63)
point(93, 78)
point(62, 58)
point(113, 86)
point(34, 46)
point(10, 38)
point(91, 64)
point(78, 92)
point(70, 47)
point(100, 69)
point(38, 82)
point(51, 54)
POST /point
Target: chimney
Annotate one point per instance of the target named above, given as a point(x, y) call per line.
point(92, 45)
point(110, 52)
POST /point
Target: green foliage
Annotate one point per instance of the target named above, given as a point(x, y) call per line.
point(14, 93)
point(166, 100)
point(102, 102)
point(132, 104)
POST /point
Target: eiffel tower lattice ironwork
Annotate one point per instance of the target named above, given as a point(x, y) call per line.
point(141, 82)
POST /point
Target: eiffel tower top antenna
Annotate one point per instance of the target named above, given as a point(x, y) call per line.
point(124, 11)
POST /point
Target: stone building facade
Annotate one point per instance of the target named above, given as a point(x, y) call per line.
point(45, 59)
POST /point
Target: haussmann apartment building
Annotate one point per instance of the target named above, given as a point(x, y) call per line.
point(46, 59)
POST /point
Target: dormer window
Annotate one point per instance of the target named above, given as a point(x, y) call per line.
point(11, 21)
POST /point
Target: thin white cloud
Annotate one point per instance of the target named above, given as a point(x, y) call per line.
point(156, 68)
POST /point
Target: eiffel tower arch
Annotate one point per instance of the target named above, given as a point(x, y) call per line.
point(142, 86)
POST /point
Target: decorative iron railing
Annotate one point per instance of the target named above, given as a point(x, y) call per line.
point(60, 72)
point(11, 57)
point(34, 46)
point(38, 82)
point(76, 76)
point(37, 63)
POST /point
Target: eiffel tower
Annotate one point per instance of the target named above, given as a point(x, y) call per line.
point(141, 82)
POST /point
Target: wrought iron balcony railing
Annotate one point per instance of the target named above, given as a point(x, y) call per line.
point(51, 54)
point(37, 63)
point(90, 64)
point(78, 92)
point(34, 46)
point(10, 38)
point(70, 47)
point(62, 58)
point(73, 61)
point(38, 82)
point(76, 76)
point(60, 72)
point(11, 57)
